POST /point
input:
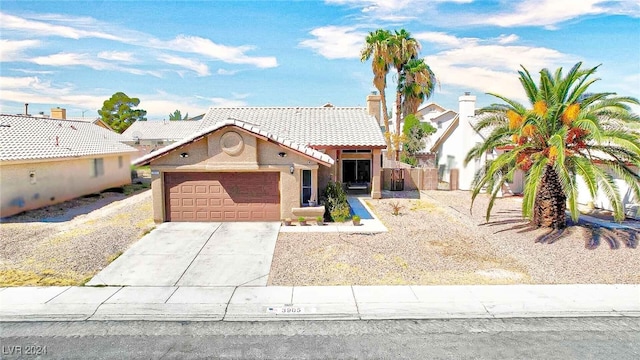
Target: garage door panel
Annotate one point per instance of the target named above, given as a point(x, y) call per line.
point(222, 196)
point(202, 202)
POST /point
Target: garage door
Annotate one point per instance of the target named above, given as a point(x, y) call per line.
point(222, 196)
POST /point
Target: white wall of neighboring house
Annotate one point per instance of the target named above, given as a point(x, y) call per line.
point(454, 149)
point(629, 202)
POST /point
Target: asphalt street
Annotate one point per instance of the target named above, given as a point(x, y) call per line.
point(516, 338)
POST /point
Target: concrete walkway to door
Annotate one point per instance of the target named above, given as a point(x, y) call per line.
point(196, 254)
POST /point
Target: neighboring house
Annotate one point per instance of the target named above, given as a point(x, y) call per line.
point(148, 136)
point(630, 204)
point(61, 113)
point(454, 137)
point(46, 161)
point(252, 164)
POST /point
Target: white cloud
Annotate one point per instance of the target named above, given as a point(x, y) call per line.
point(10, 82)
point(548, 13)
point(41, 28)
point(13, 50)
point(34, 72)
point(336, 42)
point(488, 65)
point(226, 72)
point(444, 39)
point(199, 68)
point(123, 56)
point(15, 91)
point(508, 39)
point(393, 10)
point(87, 60)
point(206, 47)
point(47, 25)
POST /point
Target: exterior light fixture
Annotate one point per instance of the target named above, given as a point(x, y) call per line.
point(291, 169)
point(282, 154)
point(184, 155)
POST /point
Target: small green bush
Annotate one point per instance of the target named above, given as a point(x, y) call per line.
point(335, 201)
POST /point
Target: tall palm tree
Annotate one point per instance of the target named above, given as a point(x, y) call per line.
point(403, 48)
point(565, 133)
point(416, 85)
point(377, 49)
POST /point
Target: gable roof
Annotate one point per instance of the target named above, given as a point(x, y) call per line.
point(445, 134)
point(317, 127)
point(253, 129)
point(30, 138)
point(432, 105)
point(161, 130)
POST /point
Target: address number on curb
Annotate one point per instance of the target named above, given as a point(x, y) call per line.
point(286, 310)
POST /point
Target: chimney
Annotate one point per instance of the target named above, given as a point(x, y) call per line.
point(58, 113)
point(26, 109)
point(467, 106)
point(374, 106)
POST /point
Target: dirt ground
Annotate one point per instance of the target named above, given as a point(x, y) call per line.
point(68, 243)
point(436, 240)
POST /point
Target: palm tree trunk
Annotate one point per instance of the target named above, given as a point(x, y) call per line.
point(385, 118)
point(396, 141)
point(549, 209)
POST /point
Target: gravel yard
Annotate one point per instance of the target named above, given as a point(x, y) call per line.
point(69, 249)
point(435, 240)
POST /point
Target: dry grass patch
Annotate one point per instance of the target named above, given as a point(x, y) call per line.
point(70, 252)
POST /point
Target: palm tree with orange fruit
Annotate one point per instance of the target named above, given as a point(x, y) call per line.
point(565, 134)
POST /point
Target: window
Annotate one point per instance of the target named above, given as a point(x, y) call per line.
point(120, 162)
point(306, 186)
point(356, 151)
point(98, 167)
point(356, 171)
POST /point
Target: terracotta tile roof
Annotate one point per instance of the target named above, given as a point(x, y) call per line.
point(312, 126)
point(30, 138)
point(315, 154)
point(161, 130)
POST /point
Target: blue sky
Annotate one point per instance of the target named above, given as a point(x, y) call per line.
point(190, 55)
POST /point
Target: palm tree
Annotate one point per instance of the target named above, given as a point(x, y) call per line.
point(417, 85)
point(403, 48)
point(377, 48)
point(565, 133)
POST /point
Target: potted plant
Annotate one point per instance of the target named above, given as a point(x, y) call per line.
point(356, 220)
point(287, 222)
point(302, 220)
point(320, 220)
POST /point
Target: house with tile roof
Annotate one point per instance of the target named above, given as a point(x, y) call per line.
point(454, 137)
point(265, 163)
point(149, 136)
point(44, 161)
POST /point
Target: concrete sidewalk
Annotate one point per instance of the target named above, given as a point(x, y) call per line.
point(316, 302)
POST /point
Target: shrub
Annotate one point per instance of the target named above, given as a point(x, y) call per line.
point(395, 208)
point(335, 201)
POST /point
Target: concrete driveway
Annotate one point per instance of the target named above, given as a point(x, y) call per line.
point(196, 254)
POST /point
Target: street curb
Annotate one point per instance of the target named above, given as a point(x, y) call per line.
point(331, 303)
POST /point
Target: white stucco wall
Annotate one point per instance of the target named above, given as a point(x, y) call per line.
point(629, 202)
point(455, 148)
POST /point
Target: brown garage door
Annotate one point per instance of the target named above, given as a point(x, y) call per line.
point(222, 196)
